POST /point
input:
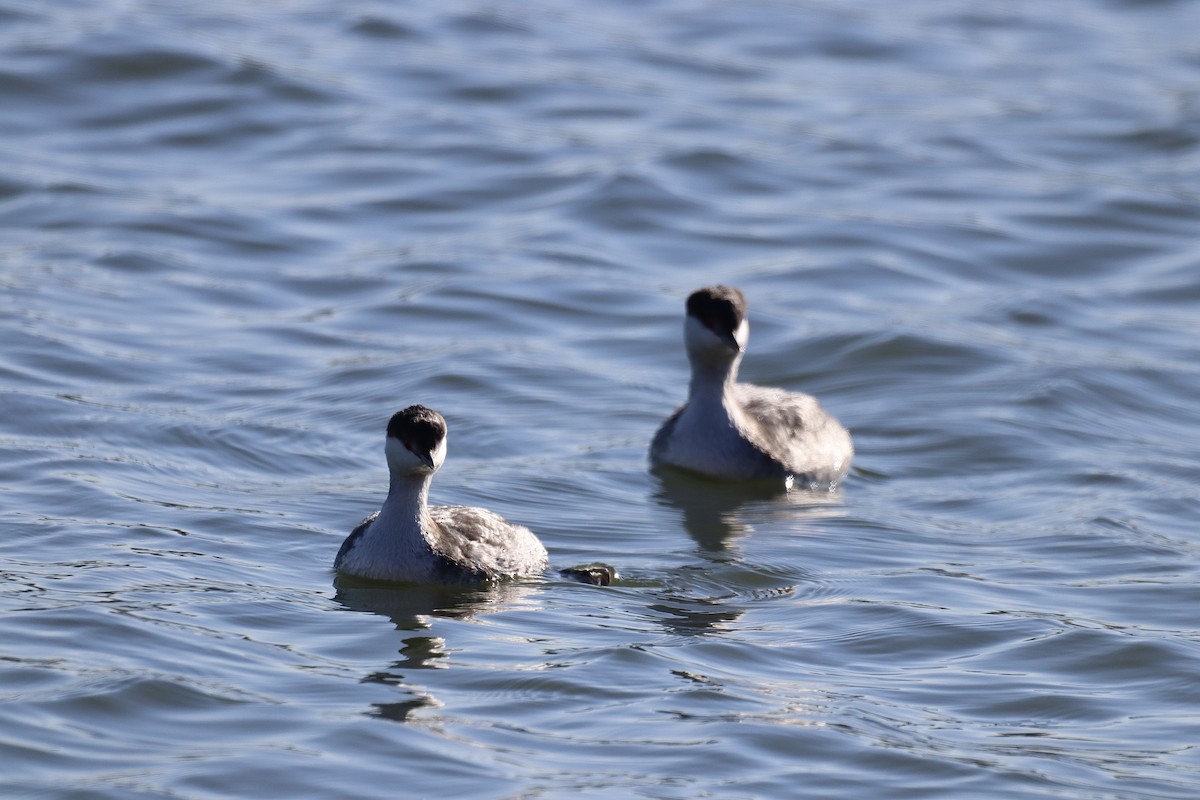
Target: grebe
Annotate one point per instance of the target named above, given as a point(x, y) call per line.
point(735, 430)
point(407, 540)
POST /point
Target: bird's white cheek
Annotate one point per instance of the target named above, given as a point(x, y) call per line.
point(742, 334)
point(698, 338)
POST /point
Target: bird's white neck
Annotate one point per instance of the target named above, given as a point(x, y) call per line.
point(711, 388)
point(407, 498)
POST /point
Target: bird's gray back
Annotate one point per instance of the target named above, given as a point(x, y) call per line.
point(793, 429)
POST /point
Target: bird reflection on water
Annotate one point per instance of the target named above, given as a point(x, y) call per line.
point(709, 507)
point(410, 607)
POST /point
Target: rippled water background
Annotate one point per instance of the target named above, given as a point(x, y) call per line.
point(234, 237)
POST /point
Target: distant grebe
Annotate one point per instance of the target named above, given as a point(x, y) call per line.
point(407, 540)
point(735, 430)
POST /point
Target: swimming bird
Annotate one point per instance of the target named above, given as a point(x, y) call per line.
point(734, 430)
point(408, 540)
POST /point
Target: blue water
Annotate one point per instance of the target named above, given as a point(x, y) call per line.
point(234, 238)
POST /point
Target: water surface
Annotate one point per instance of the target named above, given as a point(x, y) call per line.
point(234, 239)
